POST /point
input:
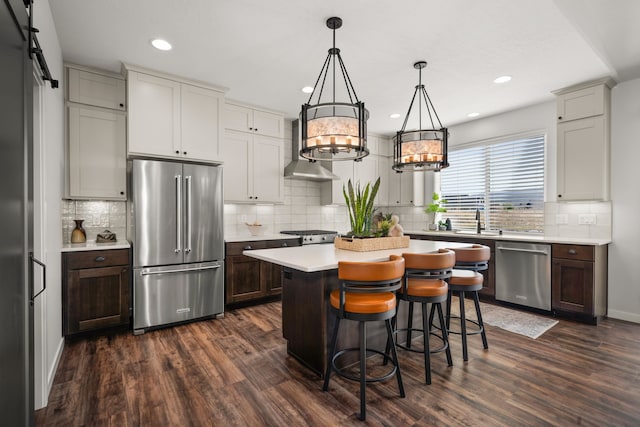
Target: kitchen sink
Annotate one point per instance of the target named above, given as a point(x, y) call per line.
point(483, 232)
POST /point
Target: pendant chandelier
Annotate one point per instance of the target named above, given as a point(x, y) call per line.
point(334, 130)
point(424, 149)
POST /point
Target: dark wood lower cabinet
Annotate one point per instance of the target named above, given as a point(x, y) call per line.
point(95, 288)
point(579, 281)
point(251, 280)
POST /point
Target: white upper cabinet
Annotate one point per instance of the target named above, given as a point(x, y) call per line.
point(583, 140)
point(581, 103)
point(97, 153)
point(246, 119)
point(92, 88)
point(174, 119)
point(96, 135)
point(200, 131)
point(253, 168)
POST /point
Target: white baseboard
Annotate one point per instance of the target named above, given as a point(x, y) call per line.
point(54, 367)
point(624, 315)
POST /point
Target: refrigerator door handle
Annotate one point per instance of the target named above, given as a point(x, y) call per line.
point(33, 260)
point(178, 214)
point(179, 270)
point(187, 248)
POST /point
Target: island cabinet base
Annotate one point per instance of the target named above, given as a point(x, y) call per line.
point(307, 320)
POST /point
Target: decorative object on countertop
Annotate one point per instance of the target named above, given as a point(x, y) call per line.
point(424, 149)
point(256, 229)
point(360, 207)
point(78, 235)
point(442, 225)
point(334, 130)
point(106, 237)
point(387, 225)
point(396, 229)
point(371, 244)
point(433, 209)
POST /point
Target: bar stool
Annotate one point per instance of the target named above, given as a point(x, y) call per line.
point(465, 278)
point(423, 283)
point(366, 293)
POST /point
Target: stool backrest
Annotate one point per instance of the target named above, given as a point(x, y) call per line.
point(474, 257)
point(434, 265)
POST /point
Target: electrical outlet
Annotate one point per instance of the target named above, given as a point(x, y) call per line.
point(586, 219)
point(562, 219)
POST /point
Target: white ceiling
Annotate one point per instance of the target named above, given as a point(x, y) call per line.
point(265, 51)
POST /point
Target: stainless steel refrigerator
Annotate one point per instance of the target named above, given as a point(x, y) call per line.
point(176, 228)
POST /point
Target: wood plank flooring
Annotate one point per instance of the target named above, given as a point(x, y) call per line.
point(235, 372)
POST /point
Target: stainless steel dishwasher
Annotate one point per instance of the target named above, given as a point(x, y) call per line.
point(523, 274)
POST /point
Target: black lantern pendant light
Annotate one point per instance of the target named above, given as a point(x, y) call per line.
point(422, 149)
point(334, 130)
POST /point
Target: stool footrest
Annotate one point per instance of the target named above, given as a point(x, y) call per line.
point(476, 331)
point(440, 349)
point(342, 373)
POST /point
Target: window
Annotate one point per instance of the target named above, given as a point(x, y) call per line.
point(503, 180)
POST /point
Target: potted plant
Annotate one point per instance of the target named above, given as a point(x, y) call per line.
point(434, 208)
point(360, 207)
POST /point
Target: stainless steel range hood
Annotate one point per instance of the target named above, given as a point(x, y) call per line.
point(301, 168)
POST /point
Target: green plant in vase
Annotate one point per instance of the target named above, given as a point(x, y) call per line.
point(360, 207)
point(434, 208)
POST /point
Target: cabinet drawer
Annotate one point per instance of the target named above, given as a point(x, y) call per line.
point(96, 259)
point(283, 243)
point(578, 252)
point(236, 248)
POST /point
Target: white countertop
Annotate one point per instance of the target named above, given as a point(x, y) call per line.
point(516, 237)
point(311, 258)
point(91, 245)
point(249, 238)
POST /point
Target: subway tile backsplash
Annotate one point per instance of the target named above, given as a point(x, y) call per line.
point(97, 215)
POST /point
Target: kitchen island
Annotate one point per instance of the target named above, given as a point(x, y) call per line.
point(310, 273)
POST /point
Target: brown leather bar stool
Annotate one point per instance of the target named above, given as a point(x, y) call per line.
point(465, 278)
point(423, 283)
point(366, 294)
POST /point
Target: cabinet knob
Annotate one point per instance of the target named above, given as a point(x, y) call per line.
point(177, 151)
point(250, 128)
point(251, 197)
point(247, 248)
point(256, 129)
point(184, 152)
point(284, 245)
point(255, 197)
point(122, 193)
point(100, 258)
point(559, 117)
point(121, 105)
point(559, 195)
point(572, 251)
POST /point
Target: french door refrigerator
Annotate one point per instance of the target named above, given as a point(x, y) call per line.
point(178, 244)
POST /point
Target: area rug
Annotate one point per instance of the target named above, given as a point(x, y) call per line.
point(516, 321)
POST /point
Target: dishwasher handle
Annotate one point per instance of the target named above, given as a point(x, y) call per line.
point(530, 251)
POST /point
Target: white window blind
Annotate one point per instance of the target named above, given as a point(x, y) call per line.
point(504, 181)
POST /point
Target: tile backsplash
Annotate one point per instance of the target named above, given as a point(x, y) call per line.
point(578, 219)
point(97, 215)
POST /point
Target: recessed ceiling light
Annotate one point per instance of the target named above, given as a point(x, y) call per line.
point(161, 44)
point(307, 89)
point(502, 79)
point(394, 116)
point(473, 114)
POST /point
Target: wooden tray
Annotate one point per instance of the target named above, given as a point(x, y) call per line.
point(372, 243)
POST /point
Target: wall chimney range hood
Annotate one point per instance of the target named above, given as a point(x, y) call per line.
point(301, 168)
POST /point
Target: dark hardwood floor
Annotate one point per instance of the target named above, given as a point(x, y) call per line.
point(236, 372)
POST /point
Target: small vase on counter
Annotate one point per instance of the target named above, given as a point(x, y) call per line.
point(78, 235)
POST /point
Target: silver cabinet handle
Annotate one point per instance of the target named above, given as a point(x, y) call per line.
point(572, 251)
point(33, 260)
point(531, 251)
point(187, 248)
point(247, 248)
point(178, 213)
point(179, 270)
